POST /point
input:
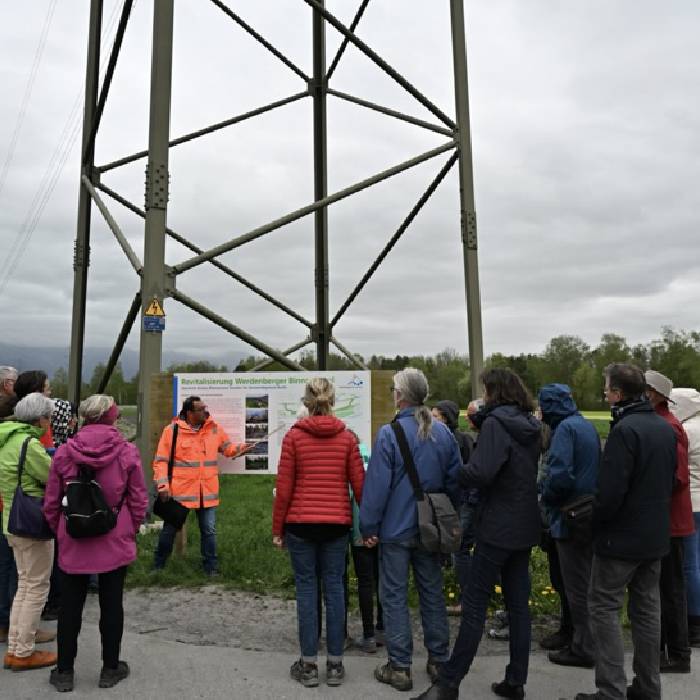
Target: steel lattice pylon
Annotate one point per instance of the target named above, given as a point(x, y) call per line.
point(159, 281)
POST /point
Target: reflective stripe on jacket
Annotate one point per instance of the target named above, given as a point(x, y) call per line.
point(195, 465)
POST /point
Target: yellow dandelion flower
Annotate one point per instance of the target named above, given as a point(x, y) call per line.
point(451, 594)
point(497, 589)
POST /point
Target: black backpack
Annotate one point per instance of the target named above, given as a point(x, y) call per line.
point(85, 507)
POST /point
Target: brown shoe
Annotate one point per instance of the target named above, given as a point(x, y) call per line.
point(37, 659)
point(44, 636)
point(7, 661)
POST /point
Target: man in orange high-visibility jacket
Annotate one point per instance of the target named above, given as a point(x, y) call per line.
point(195, 482)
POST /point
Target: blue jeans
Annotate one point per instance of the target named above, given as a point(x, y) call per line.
point(8, 580)
point(206, 518)
point(395, 559)
point(513, 567)
point(305, 555)
point(463, 558)
point(691, 567)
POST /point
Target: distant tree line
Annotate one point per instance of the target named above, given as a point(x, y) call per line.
point(567, 359)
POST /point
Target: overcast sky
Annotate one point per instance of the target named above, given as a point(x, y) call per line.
point(586, 139)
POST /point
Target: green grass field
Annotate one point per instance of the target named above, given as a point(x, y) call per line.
point(249, 562)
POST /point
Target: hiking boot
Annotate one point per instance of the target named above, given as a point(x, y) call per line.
point(305, 672)
point(398, 678)
point(109, 677)
point(566, 657)
point(44, 636)
point(7, 661)
point(366, 644)
point(432, 668)
point(557, 640)
point(335, 673)
point(505, 690)
point(37, 659)
point(61, 680)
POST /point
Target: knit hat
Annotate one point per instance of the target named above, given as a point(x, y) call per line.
point(659, 383)
point(450, 411)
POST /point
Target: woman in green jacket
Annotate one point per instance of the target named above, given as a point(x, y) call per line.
point(34, 558)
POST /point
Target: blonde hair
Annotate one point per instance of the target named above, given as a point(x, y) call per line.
point(95, 406)
point(319, 397)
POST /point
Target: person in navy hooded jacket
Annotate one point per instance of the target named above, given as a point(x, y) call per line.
point(571, 472)
point(504, 469)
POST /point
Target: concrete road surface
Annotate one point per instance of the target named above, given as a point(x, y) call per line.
point(172, 670)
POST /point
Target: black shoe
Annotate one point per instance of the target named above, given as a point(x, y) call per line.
point(61, 680)
point(674, 666)
point(506, 690)
point(633, 693)
point(558, 640)
point(565, 657)
point(109, 677)
point(437, 692)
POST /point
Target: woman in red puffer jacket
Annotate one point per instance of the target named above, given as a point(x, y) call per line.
point(312, 517)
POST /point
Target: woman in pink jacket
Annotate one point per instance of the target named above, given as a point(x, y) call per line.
point(117, 468)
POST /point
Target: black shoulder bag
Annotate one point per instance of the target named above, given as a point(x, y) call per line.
point(172, 512)
point(439, 529)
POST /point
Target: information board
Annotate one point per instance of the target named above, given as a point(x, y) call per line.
point(261, 407)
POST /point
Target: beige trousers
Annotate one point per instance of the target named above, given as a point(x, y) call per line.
point(34, 560)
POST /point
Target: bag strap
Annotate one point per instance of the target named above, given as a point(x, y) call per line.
point(172, 454)
point(85, 471)
point(408, 462)
point(22, 458)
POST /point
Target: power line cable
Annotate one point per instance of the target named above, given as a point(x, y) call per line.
point(38, 54)
point(60, 156)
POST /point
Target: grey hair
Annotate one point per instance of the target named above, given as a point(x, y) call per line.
point(95, 406)
point(32, 407)
point(7, 372)
point(412, 384)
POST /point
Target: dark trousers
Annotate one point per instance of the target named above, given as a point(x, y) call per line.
point(606, 596)
point(8, 580)
point(565, 622)
point(674, 604)
point(53, 602)
point(575, 561)
point(487, 565)
point(73, 592)
point(366, 562)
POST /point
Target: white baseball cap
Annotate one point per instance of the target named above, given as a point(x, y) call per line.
point(660, 383)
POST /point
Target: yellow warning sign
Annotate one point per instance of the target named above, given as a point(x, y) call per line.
point(155, 308)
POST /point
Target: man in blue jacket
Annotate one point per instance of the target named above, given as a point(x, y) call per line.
point(389, 516)
point(571, 472)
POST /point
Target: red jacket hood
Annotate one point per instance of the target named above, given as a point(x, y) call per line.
point(321, 426)
point(95, 445)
